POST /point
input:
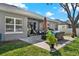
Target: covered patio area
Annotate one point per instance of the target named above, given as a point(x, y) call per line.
point(34, 26)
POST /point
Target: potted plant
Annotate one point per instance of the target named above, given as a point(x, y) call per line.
point(44, 36)
point(51, 38)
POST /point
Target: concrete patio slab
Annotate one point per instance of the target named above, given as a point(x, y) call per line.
point(32, 39)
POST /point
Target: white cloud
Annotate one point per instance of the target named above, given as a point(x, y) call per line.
point(38, 12)
point(52, 18)
point(62, 19)
point(77, 9)
point(48, 14)
point(62, 10)
point(19, 5)
point(78, 21)
point(55, 7)
point(70, 7)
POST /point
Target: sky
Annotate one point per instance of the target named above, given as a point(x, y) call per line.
point(54, 11)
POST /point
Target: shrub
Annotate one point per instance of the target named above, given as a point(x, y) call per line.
point(51, 37)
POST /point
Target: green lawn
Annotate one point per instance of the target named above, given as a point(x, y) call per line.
point(19, 48)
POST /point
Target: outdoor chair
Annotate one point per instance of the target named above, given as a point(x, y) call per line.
point(59, 35)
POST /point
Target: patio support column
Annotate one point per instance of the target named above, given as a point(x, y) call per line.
point(45, 24)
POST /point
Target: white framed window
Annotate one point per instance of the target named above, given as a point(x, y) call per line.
point(13, 25)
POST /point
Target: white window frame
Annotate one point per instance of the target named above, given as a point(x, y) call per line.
point(13, 25)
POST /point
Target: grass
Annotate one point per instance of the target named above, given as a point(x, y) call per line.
point(69, 50)
point(19, 48)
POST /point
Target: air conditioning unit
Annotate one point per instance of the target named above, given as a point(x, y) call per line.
point(0, 36)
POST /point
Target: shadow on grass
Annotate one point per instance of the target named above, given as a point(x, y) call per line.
point(12, 45)
point(56, 53)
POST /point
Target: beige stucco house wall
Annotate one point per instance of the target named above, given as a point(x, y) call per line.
point(62, 28)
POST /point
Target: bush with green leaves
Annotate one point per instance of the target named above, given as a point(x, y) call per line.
point(50, 37)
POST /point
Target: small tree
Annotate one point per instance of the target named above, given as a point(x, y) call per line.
point(71, 15)
point(51, 38)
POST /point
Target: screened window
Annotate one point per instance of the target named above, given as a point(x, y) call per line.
point(13, 24)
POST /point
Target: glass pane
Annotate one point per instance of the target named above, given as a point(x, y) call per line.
point(18, 21)
point(9, 20)
point(9, 28)
point(18, 28)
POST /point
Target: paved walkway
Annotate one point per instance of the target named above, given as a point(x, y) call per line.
point(37, 41)
point(59, 45)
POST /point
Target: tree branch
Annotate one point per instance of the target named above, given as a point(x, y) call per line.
point(77, 18)
point(63, 6)
point(69, 13)
point(66, 8)
point(74, 6)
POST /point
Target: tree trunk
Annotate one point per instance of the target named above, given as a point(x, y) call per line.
point(74, 31)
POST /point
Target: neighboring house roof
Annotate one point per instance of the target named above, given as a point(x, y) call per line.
point(18, 10)
point(61, 22)
point(68, 22)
